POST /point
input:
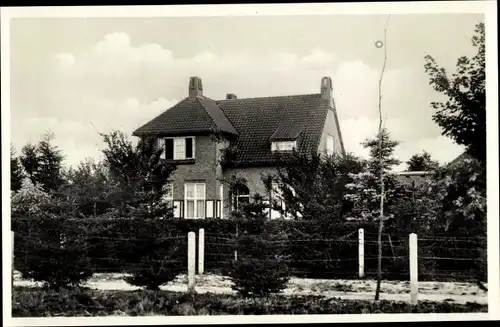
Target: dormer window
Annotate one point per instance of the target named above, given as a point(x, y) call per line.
point(179, 148)
point(283, 145)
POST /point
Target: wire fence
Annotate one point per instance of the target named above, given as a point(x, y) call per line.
point(440, 257)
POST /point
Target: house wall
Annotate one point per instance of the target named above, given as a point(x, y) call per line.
point(253, 176)
point(330, 128)
point(203, 170)
point(415, 179)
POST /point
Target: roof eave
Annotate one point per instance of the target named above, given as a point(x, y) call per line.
point(139, 133)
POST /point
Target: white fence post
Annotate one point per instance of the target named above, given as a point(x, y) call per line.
point(361, 252)
point(201, 251)
point(235, 251)
point(191, 260)
point(413, 269)
point(13, 256)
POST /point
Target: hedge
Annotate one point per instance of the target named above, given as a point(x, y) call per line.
point(317, 249)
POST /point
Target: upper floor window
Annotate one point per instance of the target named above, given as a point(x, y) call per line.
point(180, 148)
point(283, 145)
point(330, 145)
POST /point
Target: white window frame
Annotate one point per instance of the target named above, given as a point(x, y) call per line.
point(236, 199)
point(182, 142)
point(169, 199)
point(283, 145)
point(195, 199)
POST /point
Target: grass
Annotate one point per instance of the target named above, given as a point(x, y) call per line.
point(37, 302)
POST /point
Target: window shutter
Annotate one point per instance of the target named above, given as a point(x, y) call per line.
point(210, 209)
point(169, 149)
point(189, 148)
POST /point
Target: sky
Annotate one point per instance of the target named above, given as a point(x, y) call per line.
point(80, 76)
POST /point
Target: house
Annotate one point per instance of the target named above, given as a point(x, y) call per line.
point(460, 159)
point(195, 130)
point(415, 178)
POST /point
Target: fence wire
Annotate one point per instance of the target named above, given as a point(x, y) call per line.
point(330, 257)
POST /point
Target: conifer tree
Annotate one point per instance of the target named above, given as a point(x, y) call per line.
point(16, 171)
point(50, 160)
point(139, 178)
point(261, 268)
point(30, 161)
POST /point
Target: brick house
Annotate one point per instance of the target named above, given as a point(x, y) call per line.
point(194, 131)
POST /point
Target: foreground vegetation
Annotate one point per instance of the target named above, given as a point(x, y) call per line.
point(36, 302)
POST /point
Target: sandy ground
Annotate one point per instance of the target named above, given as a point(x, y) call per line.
point(344, 289)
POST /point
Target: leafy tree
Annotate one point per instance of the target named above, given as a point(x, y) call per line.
point(88, 187)
point(421, 162)
point(16, 171)
point(261, 268)
point(30, 199)
point(461, 189)
point(463, 115)
point(462, 212)
point(314, 186)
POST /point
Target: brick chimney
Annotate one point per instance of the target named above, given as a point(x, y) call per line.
point(195, 87)
point(326, 88)
point(231, 96)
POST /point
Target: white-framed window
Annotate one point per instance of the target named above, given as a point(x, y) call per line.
point(194, 198)
point(330, 145)
point(240, 196)
point(283, 145)
point(179, 148)
point(168, 197)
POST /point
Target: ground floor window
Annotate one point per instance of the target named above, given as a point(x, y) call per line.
point(168, 198)
point(240, 195)
point(194, 198)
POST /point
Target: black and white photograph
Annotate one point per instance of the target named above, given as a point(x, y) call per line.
point(254, 163)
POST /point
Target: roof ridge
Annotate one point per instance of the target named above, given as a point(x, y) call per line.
point(217, 115)
point(208, 111)
point(269, 97)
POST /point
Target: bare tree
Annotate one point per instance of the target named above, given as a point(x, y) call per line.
point(382, 191)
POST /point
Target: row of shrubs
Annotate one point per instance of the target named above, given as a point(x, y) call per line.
point(76, 248)
point(28, 302)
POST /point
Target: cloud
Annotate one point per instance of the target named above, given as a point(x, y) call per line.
point(116, 84)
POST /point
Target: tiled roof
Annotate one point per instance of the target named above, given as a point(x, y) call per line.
point(256, 122)
point(417, 177)
point(257, 119)
point(286, 132)
point(458, 159)
point(191, 115)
